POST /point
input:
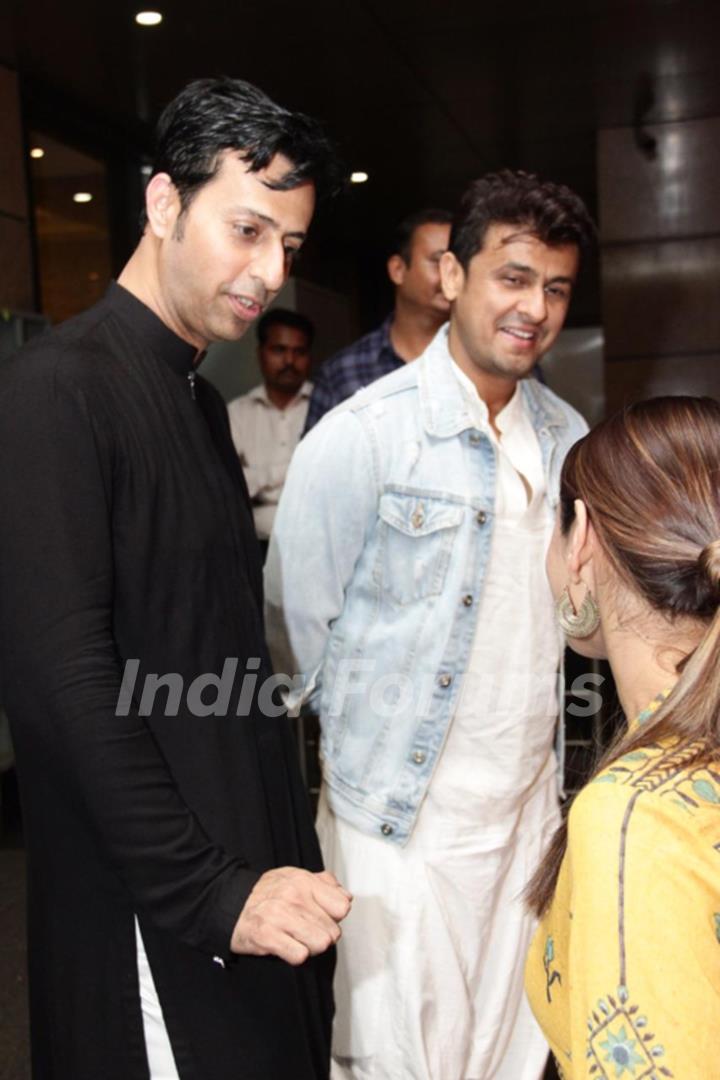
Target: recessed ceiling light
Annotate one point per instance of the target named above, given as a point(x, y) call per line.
point(358, 177)
point(82, 196)
point(148, 18)
point(37, 152)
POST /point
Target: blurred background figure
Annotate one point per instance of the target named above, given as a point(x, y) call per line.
point(420, 310)
point(266, 424)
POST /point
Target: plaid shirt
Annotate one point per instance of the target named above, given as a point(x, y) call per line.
point(350, 369)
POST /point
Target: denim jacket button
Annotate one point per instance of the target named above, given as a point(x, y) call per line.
point(419, 757)
point(481, 517)
point(445, 681)
point(386, 830)
point(467, 600)
point(474, 438)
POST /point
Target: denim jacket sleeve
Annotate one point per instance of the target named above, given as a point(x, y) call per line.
point(326, 513)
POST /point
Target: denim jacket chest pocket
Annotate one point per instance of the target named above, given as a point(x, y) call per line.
point(416, 537)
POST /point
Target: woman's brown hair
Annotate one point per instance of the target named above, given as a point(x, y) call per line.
point(650, 479)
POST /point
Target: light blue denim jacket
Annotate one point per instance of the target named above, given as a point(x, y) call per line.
point(375, 572)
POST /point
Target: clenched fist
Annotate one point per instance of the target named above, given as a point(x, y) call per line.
point(292, 914)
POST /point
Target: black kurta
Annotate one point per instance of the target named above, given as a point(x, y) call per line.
point(126, 535)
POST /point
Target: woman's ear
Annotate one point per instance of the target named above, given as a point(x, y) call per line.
point(582, 544)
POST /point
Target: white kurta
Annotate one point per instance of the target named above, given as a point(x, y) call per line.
point(429, 983)
point(265, 438)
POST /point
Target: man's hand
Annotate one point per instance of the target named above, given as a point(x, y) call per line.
point(292, 914)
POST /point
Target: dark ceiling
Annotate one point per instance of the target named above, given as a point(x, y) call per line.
point(423, 96)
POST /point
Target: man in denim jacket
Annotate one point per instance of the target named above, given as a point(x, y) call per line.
point(406, 583)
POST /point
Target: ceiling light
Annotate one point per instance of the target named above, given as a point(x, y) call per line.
point(148, 18)
point(82, 196)
point(37, 152)
point(358, 177)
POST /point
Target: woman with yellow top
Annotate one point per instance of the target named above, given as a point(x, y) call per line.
point(624, 971)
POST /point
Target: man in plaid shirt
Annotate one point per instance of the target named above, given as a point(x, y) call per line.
point(420, 310)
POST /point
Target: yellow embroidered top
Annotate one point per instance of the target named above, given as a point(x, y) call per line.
point(623, 973)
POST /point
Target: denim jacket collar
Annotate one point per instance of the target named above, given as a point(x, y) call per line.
point(442, 405)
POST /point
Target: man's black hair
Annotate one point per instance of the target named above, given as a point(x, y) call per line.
point(551, 212)
point(404, 231)
point(283, 317)
point(213, 115)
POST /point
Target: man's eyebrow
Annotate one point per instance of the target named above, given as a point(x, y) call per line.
point(266, 220)
point(521, 268)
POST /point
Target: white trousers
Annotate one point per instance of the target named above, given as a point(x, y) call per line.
point(429, 981)
point(157, 1042)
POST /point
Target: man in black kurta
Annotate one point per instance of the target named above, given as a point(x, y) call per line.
point(127, 536)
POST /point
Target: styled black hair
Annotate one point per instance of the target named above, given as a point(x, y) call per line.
point(213, 115)
point(552, 212)
point(284, 317)
point(403, 236)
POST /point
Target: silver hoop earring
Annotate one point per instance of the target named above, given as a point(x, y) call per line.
point(580, 622)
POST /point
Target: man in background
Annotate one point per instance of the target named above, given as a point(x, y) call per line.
point(420, 309)
point(266, 424)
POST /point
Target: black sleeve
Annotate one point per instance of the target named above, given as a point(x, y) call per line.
point(61, 671)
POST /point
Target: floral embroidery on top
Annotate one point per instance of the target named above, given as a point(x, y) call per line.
point(628, 762)
point(697, 787)
point(653, 707)
point(618, 1040)
point(657, 766)
point(619, 1043)
point(621, 1051)
point(550, 975)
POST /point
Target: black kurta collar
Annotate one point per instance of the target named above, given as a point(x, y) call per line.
point(164, 342)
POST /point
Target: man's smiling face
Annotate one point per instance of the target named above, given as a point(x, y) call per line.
point(227, 255)
point(510, 305)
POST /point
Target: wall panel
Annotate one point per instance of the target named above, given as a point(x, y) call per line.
point(660, 265)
